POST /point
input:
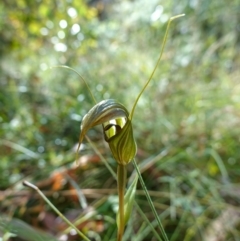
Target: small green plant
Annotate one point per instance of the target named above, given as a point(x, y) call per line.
point(118, 132)
point(116, 122)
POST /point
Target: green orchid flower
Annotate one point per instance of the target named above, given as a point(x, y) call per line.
point(117, 129)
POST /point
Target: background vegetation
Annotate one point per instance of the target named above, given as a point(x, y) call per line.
point(186, 124)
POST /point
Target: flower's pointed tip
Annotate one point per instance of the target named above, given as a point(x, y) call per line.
point(77, 151)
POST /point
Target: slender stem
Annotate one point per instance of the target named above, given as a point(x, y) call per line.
point(150, 201)
point(28, 184)
point(159, 58)
point(122, 176)
point(85, 82)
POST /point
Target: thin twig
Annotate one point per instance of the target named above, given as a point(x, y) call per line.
point(28, 184)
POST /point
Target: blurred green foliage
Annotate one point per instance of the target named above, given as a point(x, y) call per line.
point(190, 110)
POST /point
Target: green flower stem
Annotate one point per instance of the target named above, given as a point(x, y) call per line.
point(28, 184)
point(158, 61)
point(85, 82)
point(122, 176)
point(150, 201)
